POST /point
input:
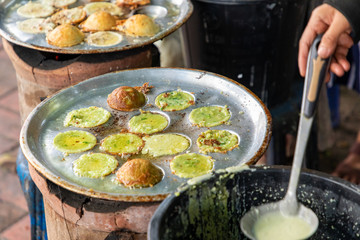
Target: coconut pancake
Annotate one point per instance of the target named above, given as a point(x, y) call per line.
point(139, 173)
point(59, 3)
point(148, 123)
point(94, 165)
point(104, 39)
point(87, 117)
point(174, 101)
point(209, 116)
point(74, 141)
point(35, 25)
point(165, 144)
point(72, 16)
point(111, 8)
point(35, 10)
point(122, 144)
point(220, 141)
point(191, 165)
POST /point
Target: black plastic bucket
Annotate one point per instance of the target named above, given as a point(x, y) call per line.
point(253, 42)
point(212, 208)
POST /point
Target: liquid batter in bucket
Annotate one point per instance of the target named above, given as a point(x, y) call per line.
point(275, 226)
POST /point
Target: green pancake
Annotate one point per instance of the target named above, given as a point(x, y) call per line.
point(174, 101)
point(209, 116)
point(220, 141)
point(165, 144)
point(122, 143)
point(74, 141)
point(94, 165)
point(191, 165)
point(87, 117)
point(148, 123)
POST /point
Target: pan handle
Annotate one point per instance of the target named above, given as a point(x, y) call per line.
point(315, 75)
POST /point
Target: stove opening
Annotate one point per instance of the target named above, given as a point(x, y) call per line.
point(58, 56)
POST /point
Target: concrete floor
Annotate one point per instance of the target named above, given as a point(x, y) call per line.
point(14, 219)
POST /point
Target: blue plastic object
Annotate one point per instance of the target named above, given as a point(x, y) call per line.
point(33, 197)
point(333, 93)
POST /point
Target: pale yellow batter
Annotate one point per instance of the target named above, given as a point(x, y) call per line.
point(275, 226)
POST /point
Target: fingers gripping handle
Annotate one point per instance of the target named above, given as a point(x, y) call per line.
point(315, 75)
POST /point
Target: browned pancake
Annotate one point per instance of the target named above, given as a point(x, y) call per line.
point(132, 4)
point(65, 35)
point(73, 16)
point(139, 173)
point(126, 99)
point(99, 21)
point(138, 25)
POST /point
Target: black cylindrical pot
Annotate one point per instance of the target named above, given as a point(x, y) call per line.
point(253, 42)
point(212, 208)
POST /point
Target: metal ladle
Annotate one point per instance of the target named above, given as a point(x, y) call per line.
point(289, 206)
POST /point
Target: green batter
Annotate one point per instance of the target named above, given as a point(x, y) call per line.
point(74, 141)
point(95, 165)
point(165, 144)
point(174, 101)
point(122, 143)
point(148, 123)
point(220, 141)
point(209, 116)
point(191, 165)
point(87, 117)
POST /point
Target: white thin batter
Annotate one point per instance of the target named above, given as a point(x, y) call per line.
point(275, 226)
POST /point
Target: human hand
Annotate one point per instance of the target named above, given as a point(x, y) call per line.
point(349, 169)
point(335, 42)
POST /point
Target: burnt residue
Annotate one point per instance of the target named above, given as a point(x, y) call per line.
point(201, 75)
point(117, 123)
point(179, 118)
point(80, 210)
point(124, 234)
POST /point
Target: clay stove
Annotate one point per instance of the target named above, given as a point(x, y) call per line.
point(70, 215)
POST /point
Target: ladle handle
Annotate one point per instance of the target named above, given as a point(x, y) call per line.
point(314, 79)
point(316, 71)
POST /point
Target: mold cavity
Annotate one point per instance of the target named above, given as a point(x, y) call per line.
point(152, 11)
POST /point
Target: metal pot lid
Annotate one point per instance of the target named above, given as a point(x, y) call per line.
point(169, 14)
point(250, 119)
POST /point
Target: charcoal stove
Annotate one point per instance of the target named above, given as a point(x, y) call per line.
point(41, 71)
point(39, 75)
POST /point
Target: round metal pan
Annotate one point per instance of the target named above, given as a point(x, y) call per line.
point(169, 14)
point(250, 119)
